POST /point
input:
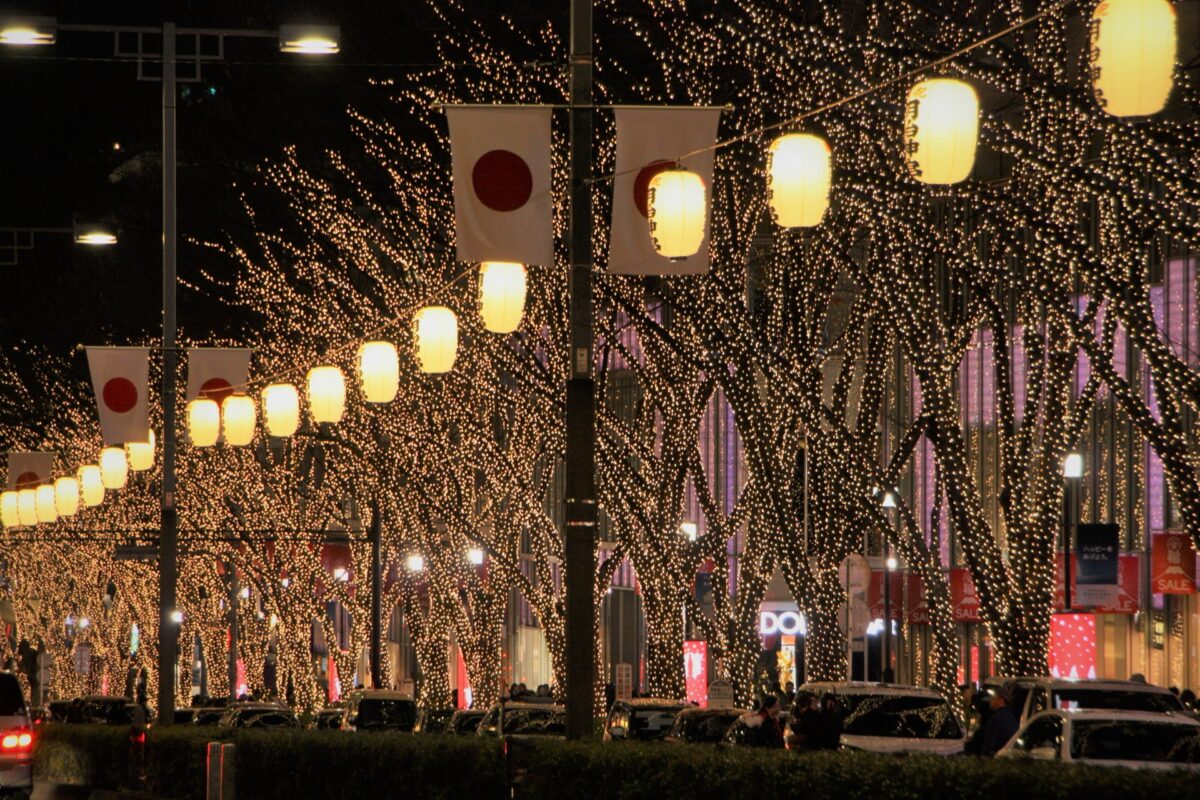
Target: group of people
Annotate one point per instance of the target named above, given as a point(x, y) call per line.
point(519, 691)
point(812, 724)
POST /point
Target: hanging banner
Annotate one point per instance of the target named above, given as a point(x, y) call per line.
point(216, 371)
point(896, 598)
point(649, 141)
point(917, 603)
point(120, 378)
point(503, 204)
point(1172, 563)
point(27, 470)
point(962, 595)
point(1129, 585)
point(695, 671)
point(1097, 555)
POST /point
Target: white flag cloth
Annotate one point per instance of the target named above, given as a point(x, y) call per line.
point(27, 470)
point(217, 371)
point(503, 208)
point(120, 378)
point(649, 140)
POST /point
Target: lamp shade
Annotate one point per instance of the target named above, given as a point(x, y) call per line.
point(799, 174)
point(9, 516)
point(1133, 55)
point(379, 371)
point(678, 212)
point(238, 417)
point(501, 295)
point(326, 394)
point(281, 409)
point(141, 454)
point(27, 507)
point(204, 421)
point(436, 331)
point(44, 497)
point(91, 485)
point(114, 469)
point(941, 128)
point(66, 496)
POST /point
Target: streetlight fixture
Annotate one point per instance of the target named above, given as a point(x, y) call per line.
point(688, 529)
point(415, 562)
point(28, 31)
point(475, 556)
point(889, 501)
point(94, 234)
point(321, 40)
point(1072, 474)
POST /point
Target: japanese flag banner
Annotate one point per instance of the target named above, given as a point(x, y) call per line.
point(120, 376)
point(649, 141)
point(216, 371)
point(27, 470)
point(503, 207)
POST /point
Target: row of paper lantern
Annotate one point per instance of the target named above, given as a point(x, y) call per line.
point(1133, 61)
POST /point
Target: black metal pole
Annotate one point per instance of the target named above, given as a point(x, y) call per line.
point(579, 502)
point(1068, 491)
point(234, 598)
point(376, 594)
point(885, 673)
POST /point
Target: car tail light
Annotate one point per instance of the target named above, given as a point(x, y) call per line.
point(19, 739)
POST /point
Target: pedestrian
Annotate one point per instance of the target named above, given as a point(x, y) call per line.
point(1188, 698)
point(789, 695)
point(981, 706)
point(543, 691)
point(512, 692)
point(828, 729)
point(762, 726)
point(1175, 690)
point(1137, 677)
point(1002, 725)
point(803, 722)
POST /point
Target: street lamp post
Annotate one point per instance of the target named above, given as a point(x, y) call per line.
point(889, 502)
point(1072, 473)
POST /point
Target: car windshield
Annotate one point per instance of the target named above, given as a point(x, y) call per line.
point(1116, 699)
point(375, 712)
point(208, 716)
point(12, 701)
point(649, 723)
point(112, 711)
point(1128, 740)
point(704, 728)
point(528, 720)
point(899, 716)
point(268, 719)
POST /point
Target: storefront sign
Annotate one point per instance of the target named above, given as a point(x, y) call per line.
point(624, 675)
point(917, 605)
point(1172, 563)
point(771, 623)
point(962, 595)
point(896, 600)
point(1097, 556)
point(695, 671)
point(1129, 581)
point(720, 694)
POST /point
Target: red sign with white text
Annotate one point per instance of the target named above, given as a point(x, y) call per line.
point(875, 594)
point(695, 671)
point(962, 595)
point(1172, 563)
point(917, 605)
point(1129, 581)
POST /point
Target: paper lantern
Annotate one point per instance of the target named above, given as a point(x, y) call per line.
point(27, 506)
point(799, 174)
point(91, 485)
point(140, 454)
point(379, 371)
point(1133, 55)
point(326, 394)
point(204, 422)
point(281, 409)
point(238, 417)
point(44, 499)
point(501, 295)
point(9, 516)
point(114, 469)
point(436, 333)
point(66, 496)
point(678, 212)
point(941, 129)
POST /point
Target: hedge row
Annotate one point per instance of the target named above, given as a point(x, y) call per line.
point(332, 764)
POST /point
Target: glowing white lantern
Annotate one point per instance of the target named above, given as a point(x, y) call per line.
point(114, 469)
point(238, 417)
point(436, 331)
point(27, 507)
point(91, 485)
point(678, 212)
point(66, 496)
point(204, 421)
point(379, 371)
point(799, 174)
point(44, 499)
point(9, 516)
point(281, 409)
point(1133, 55)
point(941, 128)
point(326, 394)
point(415, 562)
point(501, 295)
point(141, 454)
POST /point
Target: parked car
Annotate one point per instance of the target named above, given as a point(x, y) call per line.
point(184, 716)
point(432, 720)
point(644, 719)
point(465, 721)
point(1138, 739)
point(520, 718)
point(329, 719)
point(107, 710)
point(253, 714)
point(1034, 695)
point(885, 718)
point(702, 725)
point(380, 710)
point(16, 737)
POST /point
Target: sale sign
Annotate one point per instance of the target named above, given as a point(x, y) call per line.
point(695, 671)
point(1129, 582)
point(962, 595)
point(1172, 563)
point(875, 594)
point(916, 602)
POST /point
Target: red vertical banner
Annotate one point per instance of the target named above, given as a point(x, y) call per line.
point(918, 605)
point(1129, 582)
point(1073, 645)
point(962, 595)
point(1172, 563)
point(463, 695)
point(695, 671)
point(875, 594)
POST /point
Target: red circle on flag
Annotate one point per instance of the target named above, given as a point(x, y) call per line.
point(502, 180)
point(641, 185)
point(216, 389)
point(27, 480)
point(120, 395)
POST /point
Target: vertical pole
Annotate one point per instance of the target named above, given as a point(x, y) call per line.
point(885, 673)
point(232, 659)
point(376, 594)
point(168, 557)
point(579, 502)
point(1068, 507)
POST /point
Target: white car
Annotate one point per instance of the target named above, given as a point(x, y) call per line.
point(1034, 695)
point(885, 718)
point(16, 737)
point(1138, 739)
point(644, 719)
